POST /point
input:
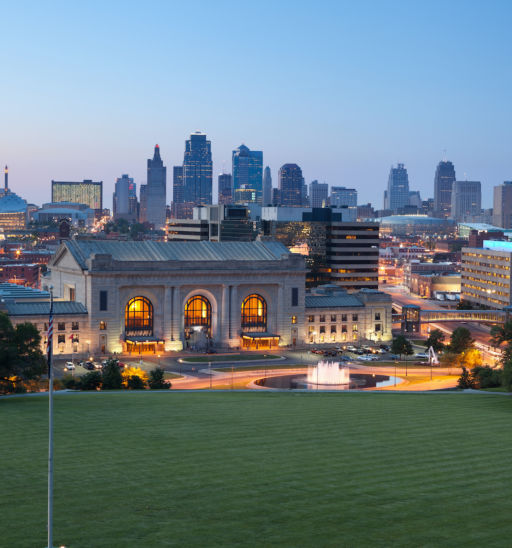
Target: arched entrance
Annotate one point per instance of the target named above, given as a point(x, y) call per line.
point(138, 325)
point(198, 322)
point(253, 322)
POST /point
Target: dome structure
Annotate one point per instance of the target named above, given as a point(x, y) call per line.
point(403, 225)
point(12, 203)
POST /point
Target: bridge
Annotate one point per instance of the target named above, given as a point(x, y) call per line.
point(412, 316)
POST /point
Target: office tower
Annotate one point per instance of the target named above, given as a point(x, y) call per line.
point(197, 170)
point(502, 211)
point(6, 180)
point(225, 184)
point(305, 196)
point(291, 185)
point(155, 192)
point(466, 200)
point(86, 192)
point(397, 194)
point(267, 187)
point(443, 182)
point(179, 208)
point(342, 196)
point(415, 199)
point(318, 194)
point(124, 200)
point(247, 175)
point(143, 203)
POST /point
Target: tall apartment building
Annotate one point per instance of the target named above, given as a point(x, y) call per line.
point(247, 175)
point(502, 211)
point(124, 200)
point(291, 185)
point(486, 274)
point(443, 182)
point(86, 192)
point(466, 200)
point(318, 194)
point(225, 188)
point(267, 187)
point(342, 196)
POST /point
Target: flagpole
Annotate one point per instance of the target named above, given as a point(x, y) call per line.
point(50, 424)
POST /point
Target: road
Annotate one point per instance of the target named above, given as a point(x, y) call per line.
point(480, 332)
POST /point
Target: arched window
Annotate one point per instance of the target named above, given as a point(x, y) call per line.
point(138, 317)
point(254, 313)
point(198, 312)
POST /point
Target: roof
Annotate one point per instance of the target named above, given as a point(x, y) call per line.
point(12, 203)
point(177, 251)
point(332, 301)
point(43, 308)
point(15, 291)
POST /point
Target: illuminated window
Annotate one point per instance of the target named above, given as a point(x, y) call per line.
point(254, 312)
point(103, 326)
point(294, 319)
point(311, 319)
point(198, 312)
point(138, 317)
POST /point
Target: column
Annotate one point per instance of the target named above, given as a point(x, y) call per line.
point(167, 315)
point(224, 331)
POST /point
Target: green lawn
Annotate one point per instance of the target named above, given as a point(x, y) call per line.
point(259, 469)
point(229, 358)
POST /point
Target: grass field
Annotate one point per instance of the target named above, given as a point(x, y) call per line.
point(229, 358)
point(259, 469)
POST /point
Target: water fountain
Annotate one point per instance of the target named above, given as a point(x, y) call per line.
point(328, 373)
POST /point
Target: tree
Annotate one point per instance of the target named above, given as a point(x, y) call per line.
point(465, 381)
point(156, 380)
point(90, 381)
point(133, 372)
point(435, 340)
point(464, 305)
point(401, 345)
point(134, 382)
point(486, 377)
point(21, 358)
point(112, 377)
point(507, 374)
point(501, 333)
point(461, 340)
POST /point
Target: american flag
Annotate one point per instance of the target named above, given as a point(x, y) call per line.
point(49, 335)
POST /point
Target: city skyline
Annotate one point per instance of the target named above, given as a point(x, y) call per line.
point(363, 104)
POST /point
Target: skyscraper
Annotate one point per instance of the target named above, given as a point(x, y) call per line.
point(466, 200)
point(197, 170)
point(290, 185)
point(267, 187)
point(155, 192)
point(397, 194)
point(247, 175)
point(124, 200)
point(318, 194)
point(342, 196)
point(225, 184)
point(179, 210)
point(443, 182)
point(502, 211)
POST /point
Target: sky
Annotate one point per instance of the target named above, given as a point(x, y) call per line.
point(344, 89)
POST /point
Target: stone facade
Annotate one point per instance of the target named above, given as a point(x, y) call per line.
point(105, 276)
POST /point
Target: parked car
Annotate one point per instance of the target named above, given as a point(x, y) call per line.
point(421, 355)
point(330, 353)
point(70, 366)
point(316, 351)
point(385, 347)
point(97, 365)
point(121, 365)
point(89, 366)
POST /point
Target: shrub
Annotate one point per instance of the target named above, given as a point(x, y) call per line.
point(134, 382)
point(156, 380)
point(90, 381)
point(112, 378)
point(70, 382)
point(134, 372)
point(486, 377)
point(465, 380)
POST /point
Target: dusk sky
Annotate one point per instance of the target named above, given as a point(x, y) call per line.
point(344, 89)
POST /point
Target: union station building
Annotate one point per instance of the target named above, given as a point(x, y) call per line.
point(153, 297)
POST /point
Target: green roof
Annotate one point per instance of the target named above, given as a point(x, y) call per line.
point(332, 301)
point(15, 291)
point(177, 251)
point(43, 308)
